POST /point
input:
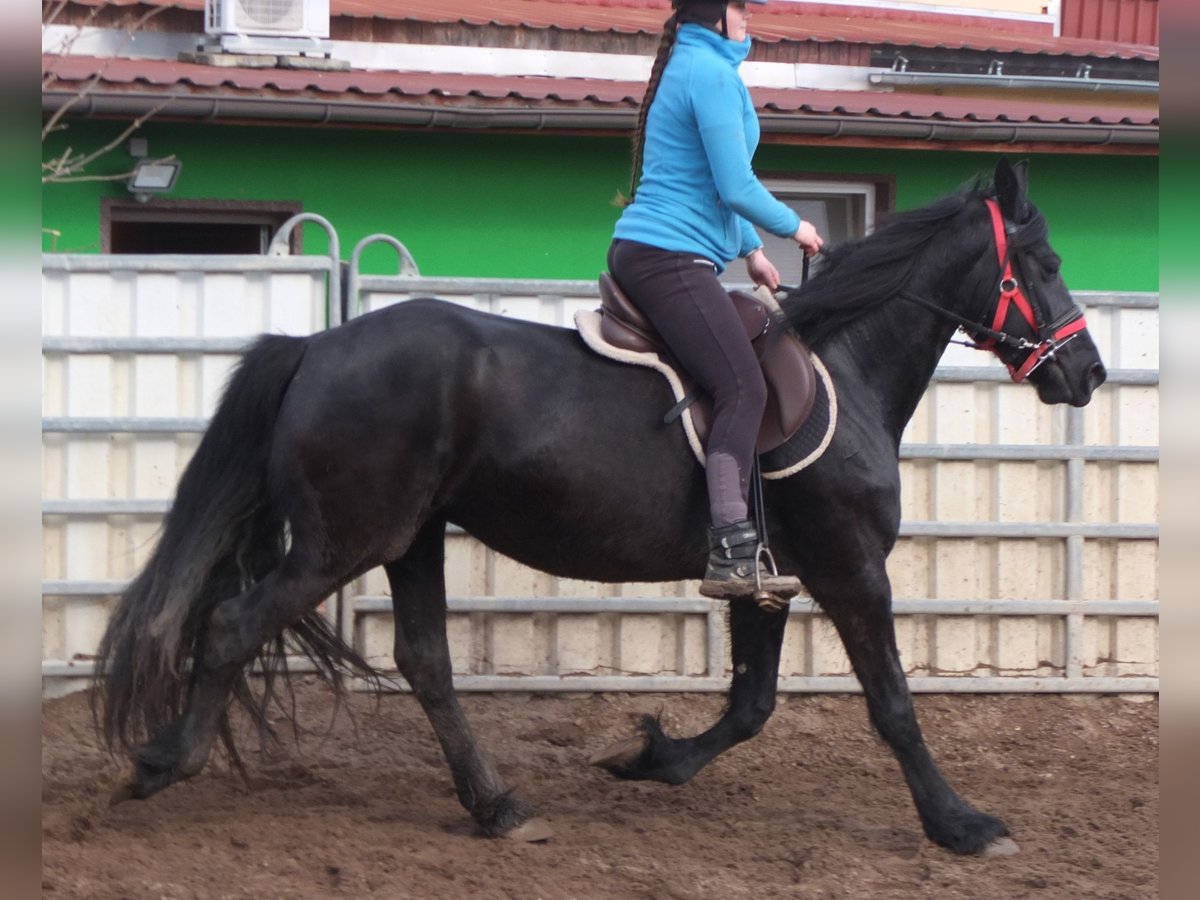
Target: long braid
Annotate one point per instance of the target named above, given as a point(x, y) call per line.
point(670, 27)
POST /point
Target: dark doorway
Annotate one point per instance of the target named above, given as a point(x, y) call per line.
point(193, 227)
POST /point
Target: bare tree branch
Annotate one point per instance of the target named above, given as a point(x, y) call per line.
point(75, 164)
point(69, 166)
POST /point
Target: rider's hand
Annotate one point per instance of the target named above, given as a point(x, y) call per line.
point(808, 239)
point(761, 270)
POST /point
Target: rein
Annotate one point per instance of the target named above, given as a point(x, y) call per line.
point(1051, 336)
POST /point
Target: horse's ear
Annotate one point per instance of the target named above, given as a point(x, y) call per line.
point(1011, 184)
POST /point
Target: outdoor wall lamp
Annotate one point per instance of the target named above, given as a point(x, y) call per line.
point(150, 176)
point(153, 176)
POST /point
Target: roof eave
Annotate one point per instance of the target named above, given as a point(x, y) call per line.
point(99, 102)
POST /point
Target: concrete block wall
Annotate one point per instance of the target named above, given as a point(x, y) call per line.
point(105, 491)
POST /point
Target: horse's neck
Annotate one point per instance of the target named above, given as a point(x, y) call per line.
point(895, 349)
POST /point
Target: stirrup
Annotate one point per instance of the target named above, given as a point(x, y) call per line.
point(781, 592)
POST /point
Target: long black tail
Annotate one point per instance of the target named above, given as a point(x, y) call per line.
point(220, 537)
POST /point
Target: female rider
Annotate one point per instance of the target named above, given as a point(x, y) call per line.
point(688, 216)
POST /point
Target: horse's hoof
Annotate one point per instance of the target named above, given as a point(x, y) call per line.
point(619, 754)
point(1003, 846)
point(533, 831)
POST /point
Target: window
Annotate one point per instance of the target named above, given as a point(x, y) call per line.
point(841, 209)
point(190, 226)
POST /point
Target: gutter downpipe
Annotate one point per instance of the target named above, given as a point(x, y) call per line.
point(115, 103)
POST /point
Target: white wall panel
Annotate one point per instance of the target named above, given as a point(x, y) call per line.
point(85, 470)
point(973, 493)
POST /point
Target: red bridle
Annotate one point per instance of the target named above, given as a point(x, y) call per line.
point(1051, 336)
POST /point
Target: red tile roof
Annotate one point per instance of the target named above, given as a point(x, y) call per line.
point(822, 23)
point(163, 77)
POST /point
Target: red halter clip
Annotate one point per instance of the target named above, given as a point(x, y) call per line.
point(1012, 295)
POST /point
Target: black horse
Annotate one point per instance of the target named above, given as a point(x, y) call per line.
point(350, 449)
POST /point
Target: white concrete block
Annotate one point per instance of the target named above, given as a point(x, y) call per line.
point(916, 490)
point(54, 385)
point(956, 652)
point(793, 659)
point(155, 467)
point(466, 567)
point(85, 622)
point(461, 633)
point(825, 646)
point(1099, 570)
point(1137, 335)
point(215, 370)
point(956, 414)
point(910, 568)
point(89, 467)
point(157, 309)
point(692, 638)
point(232, 306)
point(1098, 647)
point(87, 551)
point(1016, 645)
point(55, 287)
point(1137, 570)
point(647, 645)
point(54, 465)
point(1138, 415)
point(295, 304)
point(585, 644)
point(1031, 569)
point(54, 628)
point(1137, 493)
point(373, 639)
point(155, 386)
point(91, 386)
point(1100, 417)
point(920, 428)
point(511, 644)
point(511, 579)
point(957, 491)
point(99, 305)
point(1136, 646)
point(960, 570)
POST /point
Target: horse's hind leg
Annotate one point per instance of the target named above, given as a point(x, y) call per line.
point(423, 658)
point(756, 637)
point(236, 629)
point(861, 612)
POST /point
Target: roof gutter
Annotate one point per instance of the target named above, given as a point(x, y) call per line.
point(99, 102)
point(1013, 82)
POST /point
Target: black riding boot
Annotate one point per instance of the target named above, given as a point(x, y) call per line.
point(735, 571)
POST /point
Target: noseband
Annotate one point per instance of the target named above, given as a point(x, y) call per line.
point(1051, 336)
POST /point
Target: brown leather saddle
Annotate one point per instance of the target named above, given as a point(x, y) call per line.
point(787, 367)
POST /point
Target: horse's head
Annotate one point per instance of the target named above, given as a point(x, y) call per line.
point(1045, 338)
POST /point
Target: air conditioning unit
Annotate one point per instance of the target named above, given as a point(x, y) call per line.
point(304, 19)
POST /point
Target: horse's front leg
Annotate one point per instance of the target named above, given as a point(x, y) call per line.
point(756, 637)
point(860, 609)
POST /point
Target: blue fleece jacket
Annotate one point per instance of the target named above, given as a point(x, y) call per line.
point(698, 192)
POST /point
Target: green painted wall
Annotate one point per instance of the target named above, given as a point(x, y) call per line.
point(496, 205)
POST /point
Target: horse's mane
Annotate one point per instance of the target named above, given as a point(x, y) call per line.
point(859, 275)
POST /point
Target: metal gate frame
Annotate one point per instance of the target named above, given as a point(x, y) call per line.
point(346, 288)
